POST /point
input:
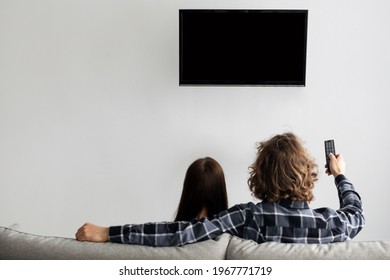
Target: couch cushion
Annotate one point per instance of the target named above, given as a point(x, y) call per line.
point(239, 249)
point(18, 245)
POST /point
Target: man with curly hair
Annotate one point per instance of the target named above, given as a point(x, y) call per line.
point(282, 178)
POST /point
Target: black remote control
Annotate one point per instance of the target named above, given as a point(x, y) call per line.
point(329, 148)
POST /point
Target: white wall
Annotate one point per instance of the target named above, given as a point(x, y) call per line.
point(94, 127)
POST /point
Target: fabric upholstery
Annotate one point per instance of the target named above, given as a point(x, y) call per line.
point(24, 246)
point(240, 249)
point(19, 245)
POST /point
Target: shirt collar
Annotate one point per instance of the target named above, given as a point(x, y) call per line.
point(293, 203)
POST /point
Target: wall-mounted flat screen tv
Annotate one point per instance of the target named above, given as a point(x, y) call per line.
point(243, 47)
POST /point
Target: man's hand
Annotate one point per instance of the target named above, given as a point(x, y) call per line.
point(93, 233)
point(337, 165)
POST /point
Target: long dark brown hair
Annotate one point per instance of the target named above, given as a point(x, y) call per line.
point(204, 188)
point(282, 169)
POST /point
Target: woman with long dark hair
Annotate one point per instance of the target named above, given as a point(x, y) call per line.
point(204, 191)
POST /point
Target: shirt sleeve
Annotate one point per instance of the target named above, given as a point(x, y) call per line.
point(180, 233)
point(351, 212)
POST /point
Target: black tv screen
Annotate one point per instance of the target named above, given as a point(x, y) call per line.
point(243, 47)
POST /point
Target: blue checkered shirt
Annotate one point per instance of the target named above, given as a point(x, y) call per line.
point(283, 221)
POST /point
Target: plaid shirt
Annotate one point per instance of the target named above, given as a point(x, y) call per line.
point(284, 221)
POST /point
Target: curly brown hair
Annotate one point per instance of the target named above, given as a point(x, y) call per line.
point(282, 169)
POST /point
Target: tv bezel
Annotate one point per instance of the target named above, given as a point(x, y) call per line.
point(227, 82)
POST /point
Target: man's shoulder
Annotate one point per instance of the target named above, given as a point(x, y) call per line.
point(244, 206)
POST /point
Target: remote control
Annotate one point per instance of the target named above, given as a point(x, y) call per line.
point(329, 148)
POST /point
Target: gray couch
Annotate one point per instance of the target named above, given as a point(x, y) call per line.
point(19, 245)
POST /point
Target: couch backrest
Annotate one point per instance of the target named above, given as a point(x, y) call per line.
point(240, 249)
point(18, 245)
